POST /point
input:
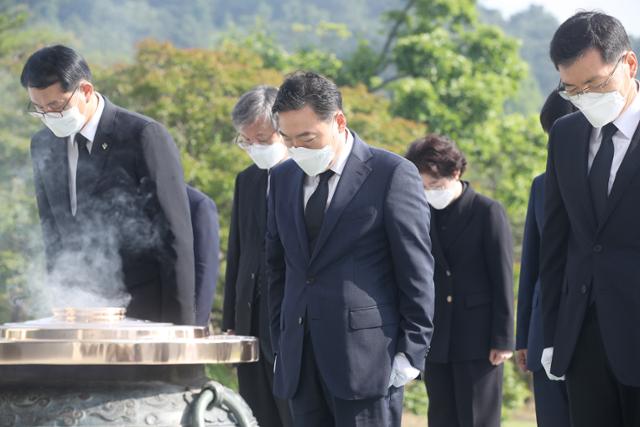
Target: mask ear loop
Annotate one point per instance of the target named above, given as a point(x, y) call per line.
point(338, 129)
point(334, 142)
point(635, 74)
point(632, 80)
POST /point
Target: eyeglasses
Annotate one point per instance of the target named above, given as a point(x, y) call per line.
point(245, 143)
point(437, 187)
point(35, 111)
point(562, 90)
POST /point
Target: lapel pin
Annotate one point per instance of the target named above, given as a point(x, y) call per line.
point(105, 145)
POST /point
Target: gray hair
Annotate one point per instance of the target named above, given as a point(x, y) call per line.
point(255, 105)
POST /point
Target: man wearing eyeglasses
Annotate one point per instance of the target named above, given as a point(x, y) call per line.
point(590, 251)
point(110, 193)
point(245, 310)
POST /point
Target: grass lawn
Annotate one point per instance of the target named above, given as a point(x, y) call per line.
point(525, 419)
point(519, 423)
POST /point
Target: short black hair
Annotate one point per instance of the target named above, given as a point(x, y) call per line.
point(554, 107)
point(55, 64)
point(304, 88)
point(436, 155)
point(589, 30)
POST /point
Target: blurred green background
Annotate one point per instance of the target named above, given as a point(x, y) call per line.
point(405, 67)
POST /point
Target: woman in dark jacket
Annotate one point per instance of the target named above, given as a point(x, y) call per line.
point(473, 323)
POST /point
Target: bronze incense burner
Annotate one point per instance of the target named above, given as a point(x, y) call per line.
point(96, 367)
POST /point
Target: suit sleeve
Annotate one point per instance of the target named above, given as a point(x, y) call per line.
point(407, 218)
point(529, 269)
point(553, 247)
point(178, 284)
point(233, 259)
point(275, 266)
point(498, 249)
point(207, 244)
point(50, 235)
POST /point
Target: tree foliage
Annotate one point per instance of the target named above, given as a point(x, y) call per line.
point(19, 244)
point(192, 92)
point(118, 25)
point(534, 27)
point(441, 66)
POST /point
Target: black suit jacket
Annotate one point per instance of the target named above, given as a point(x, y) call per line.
point(529, 325)
point(206, 250)
point(137, 204)
point(473, 280)
point(581, 255)
point(366, 290)
point(245, 277)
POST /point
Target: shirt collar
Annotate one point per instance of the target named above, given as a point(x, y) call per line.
point(90, 129)
point(629, 119)
point(341, 162)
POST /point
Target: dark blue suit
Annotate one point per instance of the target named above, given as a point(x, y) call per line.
point(366, 290)
point(550, 396)
point(206, 244)
point(589, 273)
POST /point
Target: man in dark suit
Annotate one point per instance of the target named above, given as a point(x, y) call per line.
point(110, 193)
point(206, 244)
point(473, 253)
point(589, 248)
point(349, 266)
point(245, 310)
point(552, 407)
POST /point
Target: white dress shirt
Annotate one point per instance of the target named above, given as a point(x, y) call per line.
point(88, 131)
point(626, 124)
point(311, 182)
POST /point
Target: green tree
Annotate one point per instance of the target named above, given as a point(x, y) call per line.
point(442, 67)
point(192, 92)
point(108, 30)
point(534, 27)
point(20, 241)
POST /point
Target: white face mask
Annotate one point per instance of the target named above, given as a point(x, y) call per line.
point(312, 161)
point(267, 156)
point(599, 108)
point(440, 199)
point(71, 122)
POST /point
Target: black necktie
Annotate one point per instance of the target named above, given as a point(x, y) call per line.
point(84, 171)
point(317, 204)
point(601, 170)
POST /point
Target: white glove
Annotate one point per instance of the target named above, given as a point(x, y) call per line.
point(402, 372)
point(547, 357)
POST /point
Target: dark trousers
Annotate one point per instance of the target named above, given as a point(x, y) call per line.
point(596, 397)
point(255, 381)
point(552, 402)
point(464, 394)
point(313, 404)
